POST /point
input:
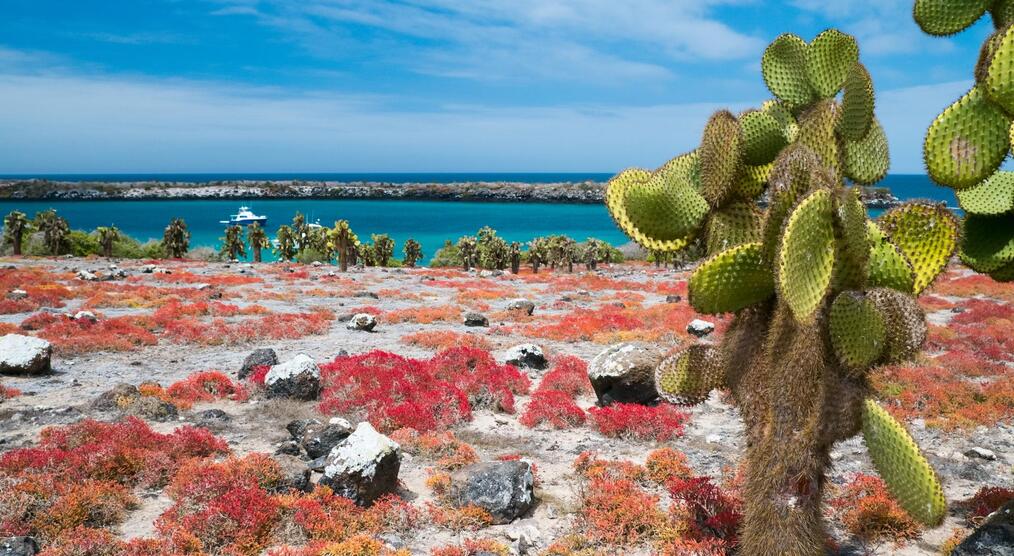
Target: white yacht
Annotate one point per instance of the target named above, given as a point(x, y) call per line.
point(245, 217)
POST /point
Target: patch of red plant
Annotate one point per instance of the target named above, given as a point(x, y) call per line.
point(639, 422)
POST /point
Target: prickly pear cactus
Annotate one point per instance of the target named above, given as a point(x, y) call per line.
point(821, 294)
point(969, 140)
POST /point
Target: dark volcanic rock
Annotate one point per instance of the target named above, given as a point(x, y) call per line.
point(522, 305)
point(526, 356)
point(296, 475)
point(24, 355)
point(297, 427)
point(625, 373)
point(18, 546)
point(258, 358)
point(503, 488)
point(297, 378)
point(318, 440)
point(995, 537)
point(476, 319)
point(118, 397)
point(364, 466)
point(153, 408)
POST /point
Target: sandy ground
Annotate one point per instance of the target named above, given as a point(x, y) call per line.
point(713, 438)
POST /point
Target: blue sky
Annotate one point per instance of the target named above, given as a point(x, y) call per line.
point(423, 85)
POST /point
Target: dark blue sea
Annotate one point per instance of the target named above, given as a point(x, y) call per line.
point(429, 222)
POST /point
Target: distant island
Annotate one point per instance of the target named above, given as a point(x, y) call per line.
point(584, 192)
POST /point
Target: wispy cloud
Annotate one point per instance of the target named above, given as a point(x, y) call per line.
point(63, 122)
point(140, 37)
point(883, 27)
point(587, 40)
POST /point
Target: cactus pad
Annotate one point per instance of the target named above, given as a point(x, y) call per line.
point(763, 137)
point(926, 235)
point(867, 160)
point(721, 155)
point(857, 329)
point(830, 57)
point(817, 132)
point(793, 173)
point(988, 242)
point(999, 73)
point(666, 206)
point(991, 197)
point(783, 67)
point(735, 224)
point(889, 268)
point(688, 376)
point(946, 17)
point(909, 477)
point(731, 280)
point(855, 252)
point(857, 104)
point(967, 142)
point(752, 181)
point(906, 323)
point(1003, 13)
point(806, 255)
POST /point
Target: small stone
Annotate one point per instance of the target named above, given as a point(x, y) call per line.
point(362, 321)
point(319, 440)
point(505, 489)
point(981, 453)
point(526, 356)
point(119, 397)
point(214, 416)
point(297, 378)
point(364, 466)
point(18, 546)
point(85, 316)
point(153, 408)
point(289, 448)
point(476, 319)
point(625, 373)
point(713, 439)
point(86, 276)
point(148, 269)
point(317, 264)
point(369, 295)
point(17, 295)
point(700, 328)
point(257, 358)
point(295, 474)
point(673, 298)
point(297, 427)
point(24, 355)
point(522, 306)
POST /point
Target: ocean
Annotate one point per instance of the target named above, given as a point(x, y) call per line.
point(428, 222)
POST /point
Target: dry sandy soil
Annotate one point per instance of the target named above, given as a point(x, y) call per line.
point(712, 441)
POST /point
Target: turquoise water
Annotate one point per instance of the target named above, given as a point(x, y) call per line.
point(428, 222)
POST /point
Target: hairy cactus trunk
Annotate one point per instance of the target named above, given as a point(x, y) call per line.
point(17, 244)
point(257, 253)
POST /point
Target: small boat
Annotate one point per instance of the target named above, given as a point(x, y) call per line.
point(245, 217)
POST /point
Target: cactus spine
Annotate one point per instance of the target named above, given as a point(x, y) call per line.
point(820, 294)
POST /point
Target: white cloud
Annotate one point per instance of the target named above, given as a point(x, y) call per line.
point(512, 39)
point(883, 27)
point(73, 123)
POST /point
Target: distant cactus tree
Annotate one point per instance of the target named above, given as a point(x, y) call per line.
point(258, 240)
point(538, 253)
point(562, 252)
point(367, 254)
point(16, 225)
point(514, 254)
point(176, 239)
point(966, 144)
point(343, 243)
point(383, 248)
point(492, 251)
point(820, 294)
point(54, 230)
point(413, 253)
point(595, 252)
point(468, 252)
point(108, 235)
point(232, 244)
point(286, 245)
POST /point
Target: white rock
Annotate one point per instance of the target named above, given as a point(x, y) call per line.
point(16, 295)
point(85, 315)
point(700, 328)
point(362, 321)
point(24, 355)
point(298, 365)
point(87, 276)
point(364, 466)
point(526, 355)
point(713, 439)
point(981, 453)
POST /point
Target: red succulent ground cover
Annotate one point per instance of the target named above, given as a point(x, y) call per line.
point(866, 509)
point(444, 339)
point(394, 392)
point(204, 386)
point(614, 323)
point(639, 422)
point(986, 501)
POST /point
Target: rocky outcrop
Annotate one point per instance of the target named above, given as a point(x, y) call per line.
point(24, 355)
point(505, 489)
point(258, 358)
point(319, 439)
point(297, 378)
point(625, 373)
point(528, 356)
point(364, 466)
point(995, 537)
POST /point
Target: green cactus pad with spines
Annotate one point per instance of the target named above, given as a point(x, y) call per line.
point(967, 142)
point(905, 320)
point(721, 154)
point(793, 174)
point(817, 132)
point(1004, 274)
point(763, 137)
point(666, 206)
point(867, 160)
point(999, 75)
point(1003, 13)
point(888, 267)
point(688, 376)
point(780, 112)
point(783, 67)
point(926, 235)
point(806, 255)
point(731, 280)
point(989, 47)
point(734, 224)
point(988, 242)
point(829, 58)
point(946, 17)
point(752, 181)
point(857, 104)
point(858, 331)
point(616, 199)
point(909, 477)
point(991, 197)
point(855, 252)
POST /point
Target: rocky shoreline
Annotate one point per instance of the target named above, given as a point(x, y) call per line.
point(586, 192)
